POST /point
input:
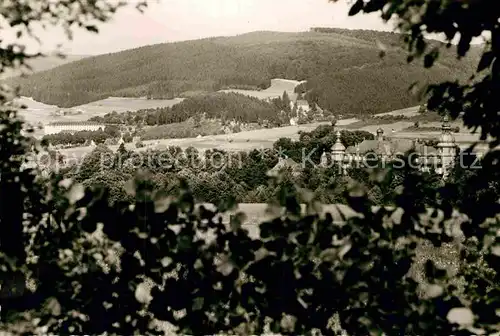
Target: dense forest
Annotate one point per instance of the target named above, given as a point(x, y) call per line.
point(342, 68)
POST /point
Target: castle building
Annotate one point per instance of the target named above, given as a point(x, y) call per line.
point(386, 150)
point(72, 127)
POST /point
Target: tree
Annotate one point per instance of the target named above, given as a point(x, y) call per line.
point(112, 131)
point(422, 108)
point(286, 102)
point(100, 159)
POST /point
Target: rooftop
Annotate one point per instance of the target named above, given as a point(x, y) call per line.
point(74, 123)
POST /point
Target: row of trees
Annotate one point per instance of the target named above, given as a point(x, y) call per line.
point(85, 137)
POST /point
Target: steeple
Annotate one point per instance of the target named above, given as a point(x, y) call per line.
point(446, 127)
point(338, 150)
point(447, 147)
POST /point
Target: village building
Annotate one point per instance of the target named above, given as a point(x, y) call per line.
point(72, 127)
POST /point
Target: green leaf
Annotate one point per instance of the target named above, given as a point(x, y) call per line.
point(142, 293)
point(430, 58)
point(462, 316)
point(356, 8)
point(433, 291)
point(162, 202)
point(76, 193)
point(130, 187)
point(329, 255)
point(496, 250)
point(485, 61)
point(345, 249)
point(288, 322)
point(53, 306)
point(92, 29)
point(225, 266)
point(237, 221)
point(66, 183)
point(432, 272)
point(198, 303)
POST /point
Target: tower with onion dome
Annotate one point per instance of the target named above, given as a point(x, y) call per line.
point(338, 150)
point(446, 148)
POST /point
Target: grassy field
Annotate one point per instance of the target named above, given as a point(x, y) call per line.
point(278, 86)
point(36, 112)
point(407, 112)
point(123, 104)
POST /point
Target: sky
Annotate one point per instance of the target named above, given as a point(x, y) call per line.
point(178, 20)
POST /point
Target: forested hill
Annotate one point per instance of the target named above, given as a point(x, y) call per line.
point(343, 69)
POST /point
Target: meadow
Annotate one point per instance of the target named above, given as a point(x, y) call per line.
point(278, 86)
point(37, 112)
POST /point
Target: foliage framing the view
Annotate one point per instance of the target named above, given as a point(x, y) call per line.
point(206, 277)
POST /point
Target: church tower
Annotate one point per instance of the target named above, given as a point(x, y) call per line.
point(338, 151)
point(446, 147)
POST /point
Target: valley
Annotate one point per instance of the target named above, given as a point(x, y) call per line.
point(336, 71)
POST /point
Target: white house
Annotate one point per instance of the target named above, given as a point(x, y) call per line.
point(72, 127)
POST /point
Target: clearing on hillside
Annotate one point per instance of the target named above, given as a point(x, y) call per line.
point(278, 86)
point(37, 112)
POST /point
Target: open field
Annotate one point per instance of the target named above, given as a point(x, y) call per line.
point(243, 141)
point(123, 104)
point(462, 139)
point(407, 112)
point(387, 128)
point(278, 86)
point(438, 125)
point(36, 112)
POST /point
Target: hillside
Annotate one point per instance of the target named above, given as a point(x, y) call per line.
point(342, 67)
